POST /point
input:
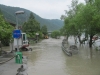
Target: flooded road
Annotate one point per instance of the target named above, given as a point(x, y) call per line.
point(47, 58)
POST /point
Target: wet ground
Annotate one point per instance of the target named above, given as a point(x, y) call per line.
point(47, 58)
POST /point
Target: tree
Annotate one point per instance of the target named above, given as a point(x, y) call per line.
point(55, 34)
point(31, 27)
point(5, 30)
point(91, 19)
point(83, 19)
point(44, 29)
point(31, 16)
point(70, 27)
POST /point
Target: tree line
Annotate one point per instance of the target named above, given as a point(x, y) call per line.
point(82, 18)
point(5, 30)
point(31, 27)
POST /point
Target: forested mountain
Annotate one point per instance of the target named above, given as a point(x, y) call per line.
point(9, 13)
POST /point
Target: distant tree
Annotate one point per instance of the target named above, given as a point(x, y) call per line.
point(31, 27)
point(31, 16)
point(55, 34)
point(44, 29)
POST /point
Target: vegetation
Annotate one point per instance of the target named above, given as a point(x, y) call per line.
point(55, 34)
point(82, 18)
point(5, 30)
point(44, 30)
point(31, 27)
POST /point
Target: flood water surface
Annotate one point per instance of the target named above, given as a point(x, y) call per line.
point(47, 58)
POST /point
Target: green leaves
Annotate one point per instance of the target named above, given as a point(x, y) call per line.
point(31, 16)
point(55, 34)
point(83, 18)
point(5, 31)
point(31, 26)
point(44, 29)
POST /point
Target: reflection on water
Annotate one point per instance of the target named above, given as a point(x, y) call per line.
point(47, 58)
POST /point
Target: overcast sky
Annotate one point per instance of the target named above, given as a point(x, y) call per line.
point(48, 9)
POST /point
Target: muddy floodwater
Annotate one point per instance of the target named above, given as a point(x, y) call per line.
point(47, 58)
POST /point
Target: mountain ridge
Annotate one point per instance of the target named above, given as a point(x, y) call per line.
point(9, 14)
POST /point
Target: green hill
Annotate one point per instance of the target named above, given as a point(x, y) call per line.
point(9, 14)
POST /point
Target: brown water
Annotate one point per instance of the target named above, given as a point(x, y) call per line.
point(47, 58)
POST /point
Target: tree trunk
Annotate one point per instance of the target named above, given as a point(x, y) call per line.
point(67, 38)
point(75, 39)
point(79, 39)
point(90, 42)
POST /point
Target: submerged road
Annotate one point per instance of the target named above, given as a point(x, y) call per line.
point(47, 58)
